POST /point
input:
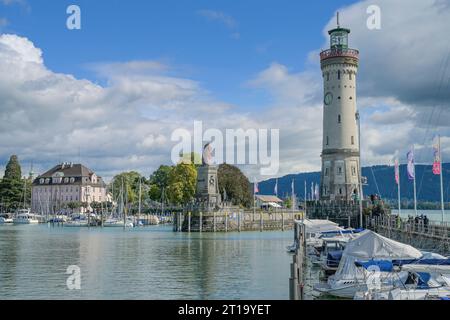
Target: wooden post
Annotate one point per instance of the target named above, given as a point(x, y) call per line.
point(293, 293)
point(261, 227)
point(239, 221)
point(226, 222)
point(189, 221)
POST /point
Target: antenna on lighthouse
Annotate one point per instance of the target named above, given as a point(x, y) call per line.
point(337, 18)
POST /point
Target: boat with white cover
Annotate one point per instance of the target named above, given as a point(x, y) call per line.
point(369, 245)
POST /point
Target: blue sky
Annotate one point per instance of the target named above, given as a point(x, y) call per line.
point(177, 32)
point(153, 67)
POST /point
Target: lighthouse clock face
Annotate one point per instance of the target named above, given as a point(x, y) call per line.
point(328, 98)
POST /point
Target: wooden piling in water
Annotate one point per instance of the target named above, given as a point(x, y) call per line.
point(226, 222)
point(189, 221)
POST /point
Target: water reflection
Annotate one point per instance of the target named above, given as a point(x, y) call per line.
point(144, 263)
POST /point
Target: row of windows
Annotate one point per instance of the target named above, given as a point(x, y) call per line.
point(339, 171)
point(352, 139)
point(350, 75)
point(74, 198)
point(57, 180)
point(67, 190)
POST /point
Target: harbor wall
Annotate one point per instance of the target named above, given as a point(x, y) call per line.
point(232, 221)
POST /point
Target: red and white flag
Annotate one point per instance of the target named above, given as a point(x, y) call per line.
point(437, 158)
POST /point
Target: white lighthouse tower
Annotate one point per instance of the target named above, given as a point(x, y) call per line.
point(340, 178)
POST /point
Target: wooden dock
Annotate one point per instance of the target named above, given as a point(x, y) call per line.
point(298, 265)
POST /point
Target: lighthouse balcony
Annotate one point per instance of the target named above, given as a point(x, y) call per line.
point(339, 52)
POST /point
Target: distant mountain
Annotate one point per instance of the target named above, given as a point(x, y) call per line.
point(380, 180)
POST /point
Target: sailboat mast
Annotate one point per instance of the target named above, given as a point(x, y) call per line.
point(442, 182)
point(398, 190)
point(140, 196)
point(414, 173)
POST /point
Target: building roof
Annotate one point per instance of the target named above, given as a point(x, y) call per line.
point(265, 198)
point(70, 170)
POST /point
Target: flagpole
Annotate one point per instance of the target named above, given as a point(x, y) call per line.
point(398, 190)
point(442, 183)
point(305, 200)
point(293, 200)
point(254, 200)
point(414, 173)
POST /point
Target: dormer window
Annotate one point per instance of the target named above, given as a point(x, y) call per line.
point(42, 181)
point(66, 180)
point(47, 181)
point(72, 180)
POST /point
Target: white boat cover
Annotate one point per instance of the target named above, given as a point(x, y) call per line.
point(317, 226)
point(367, 246)
point(430, 268)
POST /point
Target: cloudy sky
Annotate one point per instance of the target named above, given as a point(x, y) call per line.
point(112, 93)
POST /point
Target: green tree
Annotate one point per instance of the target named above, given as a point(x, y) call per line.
point(159, 180)
point(130, 182)
point(13, 170)
point(182, 183)
point(12, 185)
point(236, 185)
point(74, 205)
point(288, 203)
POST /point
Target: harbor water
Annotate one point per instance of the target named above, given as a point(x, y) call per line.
point(142, 263)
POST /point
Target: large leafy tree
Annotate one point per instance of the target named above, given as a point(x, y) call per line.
point(159, 181)
point(130, 182)
point(182, 183)
point(12, 185)
point(235, 184)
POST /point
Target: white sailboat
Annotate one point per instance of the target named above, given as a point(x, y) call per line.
point(118, 222)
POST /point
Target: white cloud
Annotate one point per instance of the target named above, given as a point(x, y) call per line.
point(228, 21)
point(127, 123)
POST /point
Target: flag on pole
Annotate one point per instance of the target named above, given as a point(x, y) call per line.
point(255, 187)
point(437, 159)
point(410, 166)
point(312, 190)
point(292, 186)
point(397, 172)
point(316, 192)
point(275, 189)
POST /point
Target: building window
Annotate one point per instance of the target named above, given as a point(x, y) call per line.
point(328, 141)
point(353, 171)
point(353, 140)
point(339, 74)
point(351, 98)
point(339, 118)
point(350, 76)
point(328, 76)
point(326, 172)
point(41, 181)
point(72, 180)
point(339, 170)
point(340, 190)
